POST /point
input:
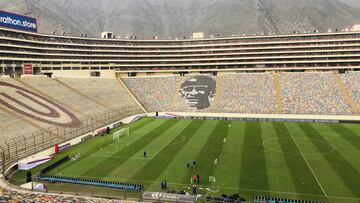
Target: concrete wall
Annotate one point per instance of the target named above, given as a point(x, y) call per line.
point(81, 73)
point(262, 116)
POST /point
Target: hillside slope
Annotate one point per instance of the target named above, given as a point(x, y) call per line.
point(176, 18)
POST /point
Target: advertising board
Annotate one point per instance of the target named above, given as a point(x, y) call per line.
point(17, 22)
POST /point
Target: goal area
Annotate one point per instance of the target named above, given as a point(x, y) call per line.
point(120, 133)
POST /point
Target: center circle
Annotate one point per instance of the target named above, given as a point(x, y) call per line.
point(306, 146)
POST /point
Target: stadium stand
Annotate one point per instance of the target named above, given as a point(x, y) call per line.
point(155, 93)
point(64, 95)
point(247, 93)
point(106, 92)
point(308, 93)
point(225, 75)
point(352, 84)
point(38, 112)
point(312, 93)
point(10, 196)
point(337, 50)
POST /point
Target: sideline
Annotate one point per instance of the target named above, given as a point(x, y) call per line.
point(224, 187)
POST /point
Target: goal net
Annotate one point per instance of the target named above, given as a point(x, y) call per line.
point(120, 133)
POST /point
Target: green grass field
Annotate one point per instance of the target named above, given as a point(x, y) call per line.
point(291, 160)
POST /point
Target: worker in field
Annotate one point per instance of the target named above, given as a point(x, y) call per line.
point(194, 188)
point(194, 163)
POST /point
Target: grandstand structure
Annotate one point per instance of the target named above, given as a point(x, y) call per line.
point(276, 74)
point(56, 88)
point(330, 51)
point(38, 112)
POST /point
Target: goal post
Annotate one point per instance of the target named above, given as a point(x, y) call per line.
point(120, 133)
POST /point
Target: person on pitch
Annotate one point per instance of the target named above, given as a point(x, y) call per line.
point(194, 163)
point(188, 165)
point(194, 189)
point(145, 154)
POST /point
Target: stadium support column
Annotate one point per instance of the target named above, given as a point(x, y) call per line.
point(2, 69)
point(3, 161)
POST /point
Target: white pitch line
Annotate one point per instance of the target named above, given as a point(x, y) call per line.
point(118, 157)
point(229, 188)
point(122, 157)
point(302, 154)
point(165, 146)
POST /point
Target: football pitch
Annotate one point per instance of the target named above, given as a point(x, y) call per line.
point(309, 161)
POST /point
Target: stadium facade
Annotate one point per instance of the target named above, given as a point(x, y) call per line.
point(46, 53)
point(95, 83)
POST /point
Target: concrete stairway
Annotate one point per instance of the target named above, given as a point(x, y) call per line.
point(131, 94)
point(346, 95)
point(213, 107)
point(278, 93)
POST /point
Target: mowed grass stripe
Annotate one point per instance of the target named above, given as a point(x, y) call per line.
point(279, 176)
point(346, 134)
point(344, 169)
point(111, 163)
point(154, 168)
point(253, 174)
point(131, 166)
point(301, 175)
point(137, 132)
point(226, 172)
point(176, 170)
point(209, 152)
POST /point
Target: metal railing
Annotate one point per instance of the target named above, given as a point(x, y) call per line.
point(22, 146)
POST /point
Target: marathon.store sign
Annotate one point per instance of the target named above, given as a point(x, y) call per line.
point(17, 22)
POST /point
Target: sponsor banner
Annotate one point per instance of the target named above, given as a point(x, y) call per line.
point(64, 147)
point(86, 138)
point(32, 162)
point(28, 69)
point(172, 115)
point(168, 197)
point(102, 131)
point(17, 22)
point(136, 118)
point(117, 124)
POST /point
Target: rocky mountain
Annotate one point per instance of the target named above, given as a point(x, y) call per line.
point(176, 18)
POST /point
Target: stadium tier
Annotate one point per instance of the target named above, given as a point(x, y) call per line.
point(298, 51)
point(57, 88)
point(7, 195)
point(309, 93)
point(42, 112)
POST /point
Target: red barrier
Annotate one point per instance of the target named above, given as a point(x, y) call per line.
point(57, 149)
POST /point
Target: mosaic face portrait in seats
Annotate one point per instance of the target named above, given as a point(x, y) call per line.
point(198, 91)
